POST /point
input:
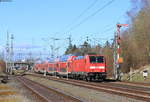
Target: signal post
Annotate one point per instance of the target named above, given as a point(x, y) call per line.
point(117, 51)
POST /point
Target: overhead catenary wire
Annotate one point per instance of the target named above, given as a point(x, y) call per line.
point(108, 29)
point(93, 14)
point(90, 16)
point(110, 26)
point(82, 13)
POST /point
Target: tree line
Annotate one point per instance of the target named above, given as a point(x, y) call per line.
point(136, 39)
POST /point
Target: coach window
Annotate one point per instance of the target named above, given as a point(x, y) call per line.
point(50, 69)
point(63, 69)
point(68, 64)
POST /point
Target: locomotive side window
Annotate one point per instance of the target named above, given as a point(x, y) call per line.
point(96, 59)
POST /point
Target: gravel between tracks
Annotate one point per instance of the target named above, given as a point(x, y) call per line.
point(24, 94)
point(88, 95)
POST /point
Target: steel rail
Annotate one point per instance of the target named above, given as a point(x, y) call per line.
point(139, 95)
point(44, 91)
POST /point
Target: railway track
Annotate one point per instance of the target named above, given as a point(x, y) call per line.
point(136, 92)
point(47, 94)
point(135, 84)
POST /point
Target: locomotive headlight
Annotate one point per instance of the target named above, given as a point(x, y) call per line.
point(101, 67)
point(92, 67)
point(97, 67)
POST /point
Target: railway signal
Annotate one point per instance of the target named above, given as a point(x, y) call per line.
point(117, 51)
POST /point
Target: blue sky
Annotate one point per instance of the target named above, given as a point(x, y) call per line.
point(33, 20)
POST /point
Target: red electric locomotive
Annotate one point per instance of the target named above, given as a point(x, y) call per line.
point(89, 67)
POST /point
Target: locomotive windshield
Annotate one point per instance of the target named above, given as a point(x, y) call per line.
point(96, 59)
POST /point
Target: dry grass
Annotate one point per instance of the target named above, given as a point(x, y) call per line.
point(10, 99)
point(7, 94)
point(4, 87)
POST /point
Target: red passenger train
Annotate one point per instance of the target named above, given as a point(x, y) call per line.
point(88, 67)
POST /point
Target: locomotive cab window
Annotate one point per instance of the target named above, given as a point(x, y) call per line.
point(96, 59)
